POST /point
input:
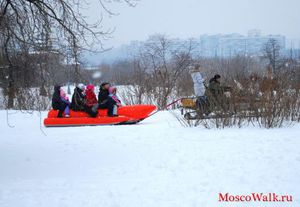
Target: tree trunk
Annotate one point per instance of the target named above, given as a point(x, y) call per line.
point(10, 89)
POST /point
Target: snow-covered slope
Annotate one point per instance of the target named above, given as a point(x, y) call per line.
point(157, 163)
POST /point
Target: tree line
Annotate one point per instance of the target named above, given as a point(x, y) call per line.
point(36, 34)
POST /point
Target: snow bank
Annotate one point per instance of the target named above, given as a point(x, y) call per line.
point(155, 163)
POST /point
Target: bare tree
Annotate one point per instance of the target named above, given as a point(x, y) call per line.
point(166, 61)
point(22, 22)
point(271, 52)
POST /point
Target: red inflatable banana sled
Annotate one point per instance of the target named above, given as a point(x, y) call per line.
point(127, 115)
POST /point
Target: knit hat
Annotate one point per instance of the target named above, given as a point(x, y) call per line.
point(90, 87)
point(81, 86)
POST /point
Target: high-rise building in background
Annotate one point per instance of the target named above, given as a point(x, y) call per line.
point(230, 45)
point(217, 45)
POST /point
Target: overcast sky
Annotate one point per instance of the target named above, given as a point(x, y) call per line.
point(191, 18)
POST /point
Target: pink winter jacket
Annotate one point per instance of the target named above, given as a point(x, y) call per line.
point(112, 93)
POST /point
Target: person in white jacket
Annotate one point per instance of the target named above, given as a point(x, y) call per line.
point(199, 89)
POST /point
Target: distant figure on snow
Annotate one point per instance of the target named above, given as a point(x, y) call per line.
point(215, 85)
point(199, 89)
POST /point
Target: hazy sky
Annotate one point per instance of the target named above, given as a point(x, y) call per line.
point(191, 18)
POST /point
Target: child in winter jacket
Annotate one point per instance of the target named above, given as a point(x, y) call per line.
point(113, 94)
point(91, 99)
point(65, 99)
point(78, 98)
point(114, 102)
point(60, 102)
point(91, 103)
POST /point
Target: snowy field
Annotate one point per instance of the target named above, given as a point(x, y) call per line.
point(157, 163)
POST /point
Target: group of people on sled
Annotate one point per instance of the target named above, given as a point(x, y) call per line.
point(84, 99)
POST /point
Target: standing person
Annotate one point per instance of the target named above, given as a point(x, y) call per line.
point(199, 89)
point(78, 98)
point(113, 102)
point(103, 95)
point(60, 102)
point(217, 91)
point(215, 85)
point(91, 103)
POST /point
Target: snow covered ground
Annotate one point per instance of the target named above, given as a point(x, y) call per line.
point(157, 163)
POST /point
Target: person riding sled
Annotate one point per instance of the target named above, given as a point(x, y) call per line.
point(91, 102)
point(103, 96)
point(78, 98)
point(215, 85)
point(113, 102)
point(199, 89)
point(217, 91)
point(61, 102)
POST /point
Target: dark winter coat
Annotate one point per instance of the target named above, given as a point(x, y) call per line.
point(78, 100)
point(215, 87)
point(103, 96)
point(56, 99)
